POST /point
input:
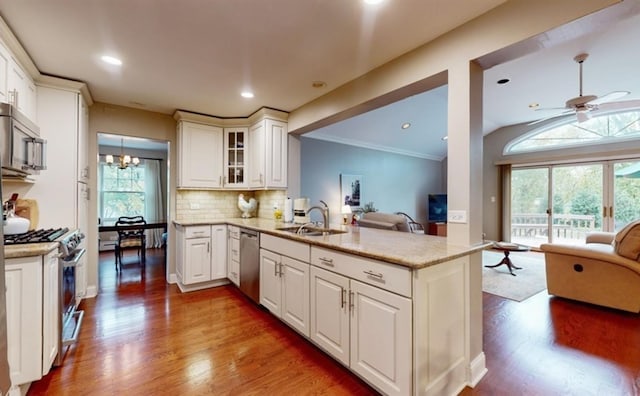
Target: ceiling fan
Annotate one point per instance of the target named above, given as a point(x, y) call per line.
point(583, 106)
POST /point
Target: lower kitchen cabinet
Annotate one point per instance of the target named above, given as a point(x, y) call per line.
point(201, 256)
point(233, 255)
point(32, 290)
point(284, 289)
point(366, 328)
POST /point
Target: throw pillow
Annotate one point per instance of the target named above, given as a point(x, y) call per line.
point(627, 241)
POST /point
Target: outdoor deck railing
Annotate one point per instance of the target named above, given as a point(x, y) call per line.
point(565, 226)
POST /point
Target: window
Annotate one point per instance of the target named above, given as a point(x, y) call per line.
point(597, 130)
point(122, 192)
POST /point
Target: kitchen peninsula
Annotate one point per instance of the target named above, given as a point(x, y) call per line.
point(393, 307)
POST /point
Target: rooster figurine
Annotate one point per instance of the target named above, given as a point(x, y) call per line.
point(247, 208)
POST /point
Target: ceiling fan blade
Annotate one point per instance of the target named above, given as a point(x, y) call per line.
point(610, 97)
point(550, 117)
point(624, 104)
point(550, 108)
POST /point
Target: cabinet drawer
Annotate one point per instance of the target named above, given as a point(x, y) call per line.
point(234, 251)
point(285, 247)
point(234, 232)
point(197, 231)
point(390, 277)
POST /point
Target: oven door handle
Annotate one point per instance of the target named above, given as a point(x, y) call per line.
point(76, 258)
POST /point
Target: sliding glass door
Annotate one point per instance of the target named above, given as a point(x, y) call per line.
point(625, 201)
point(562, 203)
point(530, 205)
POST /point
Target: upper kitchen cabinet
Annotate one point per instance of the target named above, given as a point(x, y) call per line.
point(235, 157)
point(268, 154)
point(83, 140)
point(63, 122)
point(215, 153)
point(5, 62)
point(199, 155)
point(21, 90)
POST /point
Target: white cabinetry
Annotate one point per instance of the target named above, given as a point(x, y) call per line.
point(268, 154)
point(51, 310)
point(22, 90)
point(284, 280)
point(235, 157)
point(62, 113)
point(5, 61)
point(199, 155)
point(349, 318)
point(32, 289)
point(24, 318)
point(201, 256)
point(233, 255)
point(83, 140)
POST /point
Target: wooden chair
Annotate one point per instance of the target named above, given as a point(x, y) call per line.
point(131, 238)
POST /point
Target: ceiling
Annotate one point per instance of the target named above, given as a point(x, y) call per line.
point(200, 56)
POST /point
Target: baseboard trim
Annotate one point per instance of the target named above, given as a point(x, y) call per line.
point(477, 369)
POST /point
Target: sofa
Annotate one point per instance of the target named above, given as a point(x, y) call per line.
point(604, 271)
point(385, 221)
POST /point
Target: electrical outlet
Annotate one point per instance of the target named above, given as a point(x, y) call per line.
point(457, 216)
point(194, 205)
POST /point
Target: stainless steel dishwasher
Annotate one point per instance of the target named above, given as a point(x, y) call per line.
point(250, 263)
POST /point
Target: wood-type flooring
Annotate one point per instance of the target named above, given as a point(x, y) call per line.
point(142, 336)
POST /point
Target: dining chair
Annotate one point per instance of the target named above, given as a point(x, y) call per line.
point(130, 238)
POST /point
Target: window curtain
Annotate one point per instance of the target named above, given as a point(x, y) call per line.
point(505, 171)
point(154, 200)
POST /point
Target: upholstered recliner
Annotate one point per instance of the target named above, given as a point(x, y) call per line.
point(605, 271)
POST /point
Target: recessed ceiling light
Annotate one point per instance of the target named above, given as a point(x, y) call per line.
point(406, 125)
point(503, 81)
point(247, 95)
point(534, 105)
point(373, 1)
point(318, 84)
point(111, 60)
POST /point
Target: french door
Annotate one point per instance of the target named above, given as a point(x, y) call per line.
point(562, 203)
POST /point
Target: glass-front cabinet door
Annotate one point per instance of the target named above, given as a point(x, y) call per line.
point(235, 155)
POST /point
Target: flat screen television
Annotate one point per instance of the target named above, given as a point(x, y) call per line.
point(437, 208)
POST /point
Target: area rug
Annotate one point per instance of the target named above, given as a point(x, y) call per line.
point(529, 280)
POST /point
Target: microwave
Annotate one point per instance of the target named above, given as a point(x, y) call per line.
point(22, 151)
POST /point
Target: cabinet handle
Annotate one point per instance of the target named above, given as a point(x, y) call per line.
point(208, 247)
point(611, 211)
point(351, 298)
point(343, 297)
point(374, 274)
point(261, 178)
point(220, 180)
point(275, 270)
point(326, 261)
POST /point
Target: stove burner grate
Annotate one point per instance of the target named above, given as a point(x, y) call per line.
point(36, 236)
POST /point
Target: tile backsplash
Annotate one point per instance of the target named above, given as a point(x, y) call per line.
point(203, 205)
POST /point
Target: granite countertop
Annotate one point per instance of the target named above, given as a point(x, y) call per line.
point(29, 249)
point(33, 249)
point(410, 250)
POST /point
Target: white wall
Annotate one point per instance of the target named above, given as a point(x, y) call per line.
point(395, 183)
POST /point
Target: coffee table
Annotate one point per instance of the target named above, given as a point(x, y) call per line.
point(507, 248)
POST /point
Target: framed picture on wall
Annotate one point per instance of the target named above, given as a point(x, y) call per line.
point(350, 187)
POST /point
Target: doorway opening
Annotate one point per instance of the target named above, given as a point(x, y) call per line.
point(133, 175)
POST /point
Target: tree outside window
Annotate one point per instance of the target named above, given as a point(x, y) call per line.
point(122, 192)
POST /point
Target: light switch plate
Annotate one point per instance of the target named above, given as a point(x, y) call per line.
point(457, 216)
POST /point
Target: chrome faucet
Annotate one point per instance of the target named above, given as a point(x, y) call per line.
point(325, 213)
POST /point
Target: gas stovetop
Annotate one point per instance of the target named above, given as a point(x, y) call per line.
point(36, 236)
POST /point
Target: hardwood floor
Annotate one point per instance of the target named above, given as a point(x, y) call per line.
point(142, 336)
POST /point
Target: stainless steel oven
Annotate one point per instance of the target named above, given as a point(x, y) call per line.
point(70, 318)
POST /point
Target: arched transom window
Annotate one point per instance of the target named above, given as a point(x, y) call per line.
point(602, 129)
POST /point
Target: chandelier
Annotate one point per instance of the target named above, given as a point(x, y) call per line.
point(124, 160)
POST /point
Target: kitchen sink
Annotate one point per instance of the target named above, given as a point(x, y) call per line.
point(311, 231)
